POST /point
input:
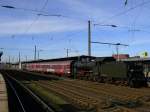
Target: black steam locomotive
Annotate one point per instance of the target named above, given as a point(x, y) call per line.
point(109, 70)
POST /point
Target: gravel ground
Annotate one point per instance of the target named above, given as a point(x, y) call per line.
point(99, 97)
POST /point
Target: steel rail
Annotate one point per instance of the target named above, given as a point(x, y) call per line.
point(15, 92)
point(43, 104)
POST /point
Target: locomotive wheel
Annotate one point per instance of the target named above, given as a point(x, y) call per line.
point(132, 83)
point(101, 79)
point(144, 83)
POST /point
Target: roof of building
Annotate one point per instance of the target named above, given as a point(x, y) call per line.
point(121, 56)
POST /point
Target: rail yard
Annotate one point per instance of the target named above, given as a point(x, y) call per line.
point(79, 95)
point(74, 56)
point(79, 84)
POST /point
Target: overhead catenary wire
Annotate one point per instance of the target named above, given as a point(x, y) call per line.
point(31, 10)
point(110, 43)
point(37, 17)
point(114, 44)
point(134, 23)
point(16, 49)
point(107, 19)
point(125, 11)
point(41, 12)
point(24, 9)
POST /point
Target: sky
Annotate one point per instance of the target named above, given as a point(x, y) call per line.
point(22, 28)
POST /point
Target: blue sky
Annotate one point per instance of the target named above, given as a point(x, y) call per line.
point(21, 30)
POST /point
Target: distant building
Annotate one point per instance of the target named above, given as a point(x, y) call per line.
point(120, 56)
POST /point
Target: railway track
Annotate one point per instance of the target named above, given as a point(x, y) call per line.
point(99, 89)
point(97, 96)
point(93, 96)
point(118, 92)
point(80, 100)
point(21, 99)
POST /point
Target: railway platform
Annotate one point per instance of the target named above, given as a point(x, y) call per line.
point(3, 95)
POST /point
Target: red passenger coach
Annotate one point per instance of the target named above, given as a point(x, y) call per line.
point(60, 68)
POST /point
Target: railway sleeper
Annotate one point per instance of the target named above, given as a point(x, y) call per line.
point(91, 103)
point(90, 99)
point(75, 99)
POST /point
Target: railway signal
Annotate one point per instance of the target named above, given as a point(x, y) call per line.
point(114, 44)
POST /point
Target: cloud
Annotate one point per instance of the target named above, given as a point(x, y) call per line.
point(41, 26)
point(96, 13)
point(85, 9)
point(141, 41)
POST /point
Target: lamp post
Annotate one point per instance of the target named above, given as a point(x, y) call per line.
point(89, 34)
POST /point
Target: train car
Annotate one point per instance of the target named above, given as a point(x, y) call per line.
point(60, 66)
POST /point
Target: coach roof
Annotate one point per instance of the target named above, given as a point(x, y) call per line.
point(60, 59)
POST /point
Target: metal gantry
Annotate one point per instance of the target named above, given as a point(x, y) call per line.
point(114, 44)
point(89, 34)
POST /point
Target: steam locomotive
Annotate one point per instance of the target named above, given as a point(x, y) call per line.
point(109, 70)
